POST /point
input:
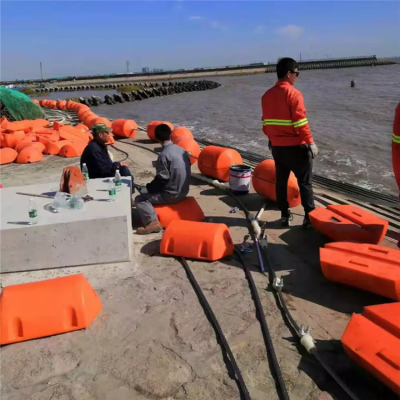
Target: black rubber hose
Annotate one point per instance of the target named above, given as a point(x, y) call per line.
point(265, 331)
point(220, 335)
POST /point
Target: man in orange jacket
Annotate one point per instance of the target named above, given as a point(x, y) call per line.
point(291, 142)
point(396, 149)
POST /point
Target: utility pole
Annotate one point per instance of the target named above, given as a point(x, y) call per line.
point(41, 70)
point(127, 67)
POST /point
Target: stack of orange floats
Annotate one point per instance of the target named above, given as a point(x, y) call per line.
point(181, 136)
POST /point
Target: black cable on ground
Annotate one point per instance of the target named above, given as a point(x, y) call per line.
point(220, 335)
point(121, 151)
point(265, 331)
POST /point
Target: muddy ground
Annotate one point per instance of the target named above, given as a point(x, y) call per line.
point(153, 340)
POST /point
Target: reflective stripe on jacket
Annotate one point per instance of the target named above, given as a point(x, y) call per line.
point(284, 116)
point(396, 145)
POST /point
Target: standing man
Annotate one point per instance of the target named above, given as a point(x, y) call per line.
point(97, 158)
point(396, 149)
point(291, 142)
point(171, 184)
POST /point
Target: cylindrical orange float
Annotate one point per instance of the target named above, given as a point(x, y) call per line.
point(7, 155)
point(35, 101)
point(191, 146)
point(88, 119)
point(181, 132)
point(264, 181)
point(82, 128)
point(61, 104)
point(200, 240)
point(151, 127)
point(125, 127)
point(215, 162)
point(55, 147)
point(29, 154)
point(83, 113)
point(72, 150)
point(100, 120)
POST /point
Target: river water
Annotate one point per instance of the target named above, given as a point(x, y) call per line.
point(351, 126)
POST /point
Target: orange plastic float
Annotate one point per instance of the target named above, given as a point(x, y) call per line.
point(215, 162)
point(45, 308)
point(125, 128)
point(191, 146)
point(55, 147)
point(88, 119)
point(61, 104)
point(74, 149)
point(375, 269)
point(29, 155)
point(82, 128)
point(370, 229)
point(181, 132)
point(264, 183)
point(8, 140)
point(24, 143)
point(73, 134)
point(372, 340)
point(188, 209)
point(151, 127)
point(35, 101)
point(7, 155)
point(377, 227)
point(200, 240)
point(100, 120)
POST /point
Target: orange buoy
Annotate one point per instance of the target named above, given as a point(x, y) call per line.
point(82, 113)
point(72, 150)
point(372, 340)
point(125, 128)
point(61, 104)
point(55, 147)
point(82, 128)
point(181, 132)
point(341, 229)
point(88, 118)
point(264, 182)
point(49, 134)
point(8, 140)
point(215, 162)
point(100, 120)
point(45, 308)
point(372, 268)
point(377, 227)
point(188, 210)
point(35, 101)
point(200, 240)
point(191, 146)
point(73, 134)
point(24, 143)
point(151, 127)
point(28, 155)
point(7, 155)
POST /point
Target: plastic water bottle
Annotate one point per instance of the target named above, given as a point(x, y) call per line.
point(33, 213)
point(85, 172)
point(117, 180)
point(111, 190)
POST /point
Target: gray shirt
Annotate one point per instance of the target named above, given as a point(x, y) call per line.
point(172, 171)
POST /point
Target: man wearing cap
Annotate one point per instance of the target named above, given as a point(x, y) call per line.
point(97, 158)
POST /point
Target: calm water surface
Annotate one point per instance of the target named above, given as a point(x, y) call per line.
point(351, 126)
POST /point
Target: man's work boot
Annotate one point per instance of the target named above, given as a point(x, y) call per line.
point(152, 227)
point(286, 219)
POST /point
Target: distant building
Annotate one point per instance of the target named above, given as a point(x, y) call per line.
point(158, 70)
point(145, 70)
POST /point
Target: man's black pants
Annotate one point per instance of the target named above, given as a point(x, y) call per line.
point(297, 159)
point(124, 171)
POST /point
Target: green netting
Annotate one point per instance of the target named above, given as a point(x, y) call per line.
point(17, 106)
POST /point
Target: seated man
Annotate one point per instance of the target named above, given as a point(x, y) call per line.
point(171, 184)
point(96, 156)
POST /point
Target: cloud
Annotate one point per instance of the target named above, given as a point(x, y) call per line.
point(217, 25)
point(291, 31)
point(259, 29)
point(195, 18)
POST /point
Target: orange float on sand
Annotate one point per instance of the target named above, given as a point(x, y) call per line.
point(125, 128)
point(151, 127)
point(45, 308)
point(200, 240)
point(74, 149)
point(55, 147)
point(372, 340)
point(264, 183)
point(375, 269)
point(7, 155)
point(29, 154)
point(181, 132)
point(191, 146)
point(24, 143)
point(82, 128)
point(100, 120)
point(188, 210)
point(215, 162)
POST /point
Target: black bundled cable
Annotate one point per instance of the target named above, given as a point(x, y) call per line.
point(220, 335)
point(265, 331)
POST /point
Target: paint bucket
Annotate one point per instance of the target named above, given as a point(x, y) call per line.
point(239, 178)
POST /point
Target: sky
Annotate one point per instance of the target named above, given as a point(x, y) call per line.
point(99, 37)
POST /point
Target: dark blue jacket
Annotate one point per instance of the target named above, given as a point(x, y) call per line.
point(98, 161)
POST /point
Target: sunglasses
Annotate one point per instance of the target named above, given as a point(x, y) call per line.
point(295, 72)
